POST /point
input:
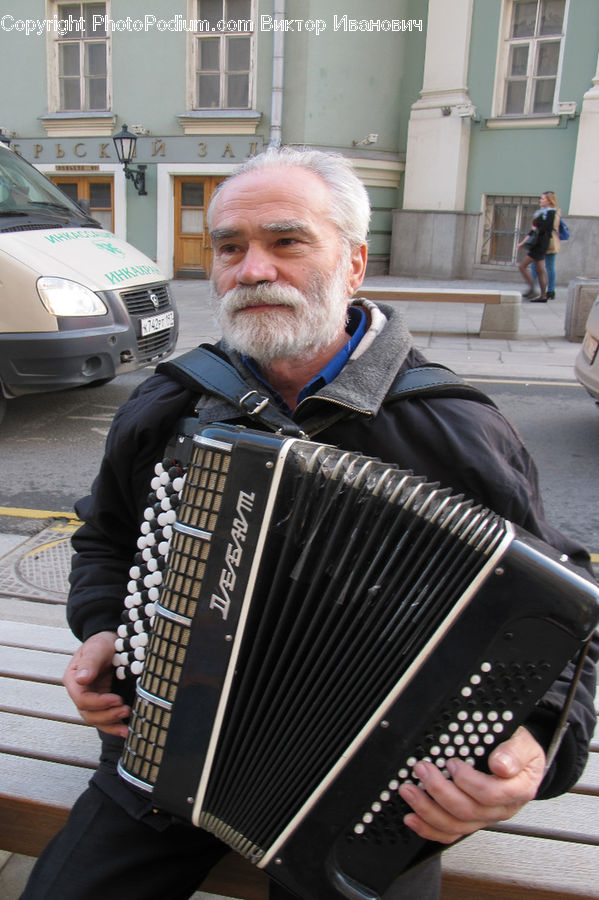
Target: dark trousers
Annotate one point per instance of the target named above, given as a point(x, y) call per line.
point(102, 852)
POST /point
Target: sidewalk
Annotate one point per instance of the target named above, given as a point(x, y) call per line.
point(34, 563)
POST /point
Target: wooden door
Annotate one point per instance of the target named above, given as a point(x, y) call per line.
point(193, 253)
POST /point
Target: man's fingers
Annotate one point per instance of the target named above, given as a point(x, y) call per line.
point(88, 679)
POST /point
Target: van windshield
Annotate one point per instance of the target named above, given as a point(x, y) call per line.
point(26, 192)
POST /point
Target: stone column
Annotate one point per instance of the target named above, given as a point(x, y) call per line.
point(440, 121)
point(584, 199)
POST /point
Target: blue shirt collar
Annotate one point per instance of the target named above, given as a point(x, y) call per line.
point(355, 328)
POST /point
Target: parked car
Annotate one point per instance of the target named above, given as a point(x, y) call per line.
point(77, 304)
point(586, 366)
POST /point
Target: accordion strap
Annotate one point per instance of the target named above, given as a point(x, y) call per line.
point(434, 380)
point(205, 368)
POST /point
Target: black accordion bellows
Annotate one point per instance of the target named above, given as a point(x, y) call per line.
point(326, 620)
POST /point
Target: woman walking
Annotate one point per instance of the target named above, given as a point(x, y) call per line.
point(537, 243)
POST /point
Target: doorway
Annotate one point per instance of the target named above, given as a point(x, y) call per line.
point(193, 253)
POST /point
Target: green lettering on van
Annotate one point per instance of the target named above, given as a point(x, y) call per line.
point(128, 272)
point(58, 237)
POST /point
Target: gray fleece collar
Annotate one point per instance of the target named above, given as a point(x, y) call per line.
point(366, 378)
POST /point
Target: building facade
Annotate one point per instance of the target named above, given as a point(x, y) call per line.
point(508, 109)
point(455, 115)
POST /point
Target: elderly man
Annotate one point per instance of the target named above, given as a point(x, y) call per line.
point(289, 236)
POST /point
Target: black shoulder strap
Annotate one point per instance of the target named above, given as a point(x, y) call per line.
point(203, 367)
point(433, 380)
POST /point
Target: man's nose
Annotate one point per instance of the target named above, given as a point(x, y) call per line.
point(256, 266)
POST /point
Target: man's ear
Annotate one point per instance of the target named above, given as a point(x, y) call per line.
point(357, 267)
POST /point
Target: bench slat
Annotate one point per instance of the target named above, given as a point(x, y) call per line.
point(571, 817)
point(33, 665)
point(41, 781)
point(35, 800)
point(75, 745)
point(26, 826)
point(35, 698)
point(494, 866)
point(430, 295)
point(37, 637)
point(589, 780)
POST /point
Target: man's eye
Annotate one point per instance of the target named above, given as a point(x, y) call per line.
point(287, 242)
point(227, 249)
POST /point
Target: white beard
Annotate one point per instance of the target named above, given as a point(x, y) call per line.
point(311, 321)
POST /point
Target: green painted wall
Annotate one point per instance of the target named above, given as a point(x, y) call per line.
point(23, 97)
point(341, 85)
point(527, 160)
point(148, 67)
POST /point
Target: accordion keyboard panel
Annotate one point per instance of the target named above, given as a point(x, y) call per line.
point(326, 620)
point(171, 626)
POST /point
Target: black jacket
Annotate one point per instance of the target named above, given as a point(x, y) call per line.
point(463, 444)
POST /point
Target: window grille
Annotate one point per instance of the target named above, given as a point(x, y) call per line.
point(507, 219)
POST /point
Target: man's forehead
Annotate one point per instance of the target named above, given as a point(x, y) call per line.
point(275, 226)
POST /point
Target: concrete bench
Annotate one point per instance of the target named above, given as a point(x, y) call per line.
point(47, 755)
point(501, 310)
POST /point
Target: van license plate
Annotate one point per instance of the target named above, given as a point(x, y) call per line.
point(157, 323)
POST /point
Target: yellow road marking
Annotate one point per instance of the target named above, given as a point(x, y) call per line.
point(532, 382)
point(36, 513)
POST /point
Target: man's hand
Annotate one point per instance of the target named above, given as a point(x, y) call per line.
point(88, 679)
point(449, 809)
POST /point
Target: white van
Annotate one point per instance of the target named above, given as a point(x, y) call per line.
point(77, 305)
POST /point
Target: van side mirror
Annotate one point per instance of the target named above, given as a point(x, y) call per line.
point(84, 205)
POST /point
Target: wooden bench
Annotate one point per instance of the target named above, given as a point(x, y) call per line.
point(501, 309)
point(47, 755)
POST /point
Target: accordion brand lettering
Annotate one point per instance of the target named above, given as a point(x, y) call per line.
point(233, 556)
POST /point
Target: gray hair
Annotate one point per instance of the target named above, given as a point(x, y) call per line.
point(350, 205)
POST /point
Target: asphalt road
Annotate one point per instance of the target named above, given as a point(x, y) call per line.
point(51, 446)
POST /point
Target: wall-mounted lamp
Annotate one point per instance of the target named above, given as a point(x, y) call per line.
point(124, 143)
point(365, 142)
point(467, 111)
point(6, 136)
point(567, 108)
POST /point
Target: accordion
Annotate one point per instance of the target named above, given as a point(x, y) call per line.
point(323, 621)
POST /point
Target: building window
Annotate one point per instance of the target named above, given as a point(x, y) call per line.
point(507, 220)
point(81, 57)
point(223, 54)
point(532, 55)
